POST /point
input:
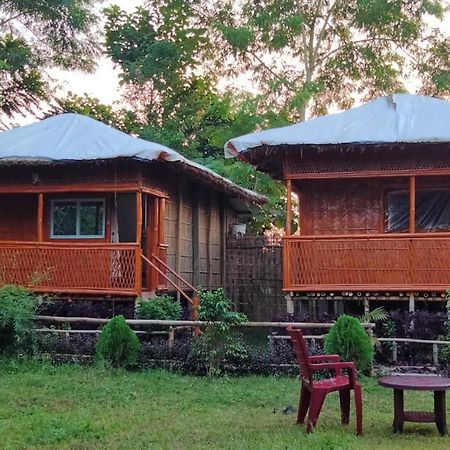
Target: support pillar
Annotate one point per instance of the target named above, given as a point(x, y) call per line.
point(412, 303)
point(289, 305)
point(40, 217)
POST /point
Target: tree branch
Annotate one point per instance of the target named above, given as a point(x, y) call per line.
point(10, 19)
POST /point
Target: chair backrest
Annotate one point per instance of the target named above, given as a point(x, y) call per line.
point(301, 352)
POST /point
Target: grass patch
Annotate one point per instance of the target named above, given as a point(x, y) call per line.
point(70, 407)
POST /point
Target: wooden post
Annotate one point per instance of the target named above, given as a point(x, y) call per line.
point(394, 352)
point(154, 243)
point(178, 231)
point(208, 245)
point(162, 220)
point(40, 217)
point(139, 242)
point(435, 355)
point(412, 204)
point(412, 306)
point(289, 208)
point(138, 217)
point(171, 337)
point(196, 240)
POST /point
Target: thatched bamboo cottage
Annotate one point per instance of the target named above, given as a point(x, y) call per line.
point(86, 209)
point(373, 188)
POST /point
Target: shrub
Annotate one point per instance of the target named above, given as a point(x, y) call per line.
point(160, 308)
point(17, 308)
point(348, 339)
point(118, 345)
point(219, 345)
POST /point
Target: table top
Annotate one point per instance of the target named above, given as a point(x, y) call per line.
point(415, 383)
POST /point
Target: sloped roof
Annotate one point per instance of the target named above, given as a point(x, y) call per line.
point(398, 118)
point(74, 137)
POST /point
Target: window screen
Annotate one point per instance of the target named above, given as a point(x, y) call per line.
point(432, 210)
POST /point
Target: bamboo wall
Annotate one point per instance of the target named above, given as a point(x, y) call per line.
point(18, 217)
point(351, 206)
point(254, 281)
point(195, 227)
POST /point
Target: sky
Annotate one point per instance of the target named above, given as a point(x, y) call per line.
point(104, 82)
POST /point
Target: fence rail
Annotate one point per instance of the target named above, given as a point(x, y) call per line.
point(176, 325)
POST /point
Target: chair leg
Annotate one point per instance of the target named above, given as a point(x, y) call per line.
point(315, 405)
point(358, 409)
point(303, 406)
point(344, 399)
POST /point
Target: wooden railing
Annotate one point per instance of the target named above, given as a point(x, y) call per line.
point(392, 262)
point(71, 268)
point(162, 268)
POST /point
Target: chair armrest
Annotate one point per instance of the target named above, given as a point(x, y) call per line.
point(337, 367)
point(325, 358)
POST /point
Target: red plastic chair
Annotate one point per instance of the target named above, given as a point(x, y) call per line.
point(313, 392)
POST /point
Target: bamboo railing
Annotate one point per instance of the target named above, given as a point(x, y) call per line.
point(371, 262)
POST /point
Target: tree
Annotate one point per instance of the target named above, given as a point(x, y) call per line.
point(122, 119)
point(37, 35)
point(320, 53)
point(317, 53)
point(162, 53)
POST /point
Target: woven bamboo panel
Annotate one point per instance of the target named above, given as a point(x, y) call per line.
point(375, 262)
point(253, 277)
point(69, 269)
point(429, 159)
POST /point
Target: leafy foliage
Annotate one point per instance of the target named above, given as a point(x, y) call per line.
point(163, 307)
point(323, 53)
point(219, 344)
point(376, 315)
point(36, 35)
point(17, 308)
point(348, 339)
point(118, 345)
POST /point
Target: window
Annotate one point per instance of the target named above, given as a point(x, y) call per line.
point(432, 210)
point(74, 218)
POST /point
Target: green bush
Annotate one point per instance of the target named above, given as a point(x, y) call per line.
point(348, 339)
point(160, 308)
point(17, 308)
point(118, 345)
point(219, 346)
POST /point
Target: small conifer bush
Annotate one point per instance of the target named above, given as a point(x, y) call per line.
point(349, 340)
point(118, 345)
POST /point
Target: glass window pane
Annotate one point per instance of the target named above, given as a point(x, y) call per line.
point(64, 218)
point(397, 213)
point(91, 218)
point(432, 210)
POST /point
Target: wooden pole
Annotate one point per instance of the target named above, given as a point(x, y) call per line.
point(138, 217)
point(40, 218)
point(288, 207)
point(138, 281)
point(412, 204)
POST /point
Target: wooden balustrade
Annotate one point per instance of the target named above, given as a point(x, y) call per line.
point(381, 262)
point(83, 268)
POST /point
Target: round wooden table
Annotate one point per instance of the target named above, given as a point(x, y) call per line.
point(437, 385)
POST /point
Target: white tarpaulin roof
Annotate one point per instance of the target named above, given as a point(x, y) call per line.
point(396, 118)
point(74, 137)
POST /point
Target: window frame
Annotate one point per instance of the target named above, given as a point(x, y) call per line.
point(406, 192)
point(78, 202)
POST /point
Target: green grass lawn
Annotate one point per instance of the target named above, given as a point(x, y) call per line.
point(44, 407)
